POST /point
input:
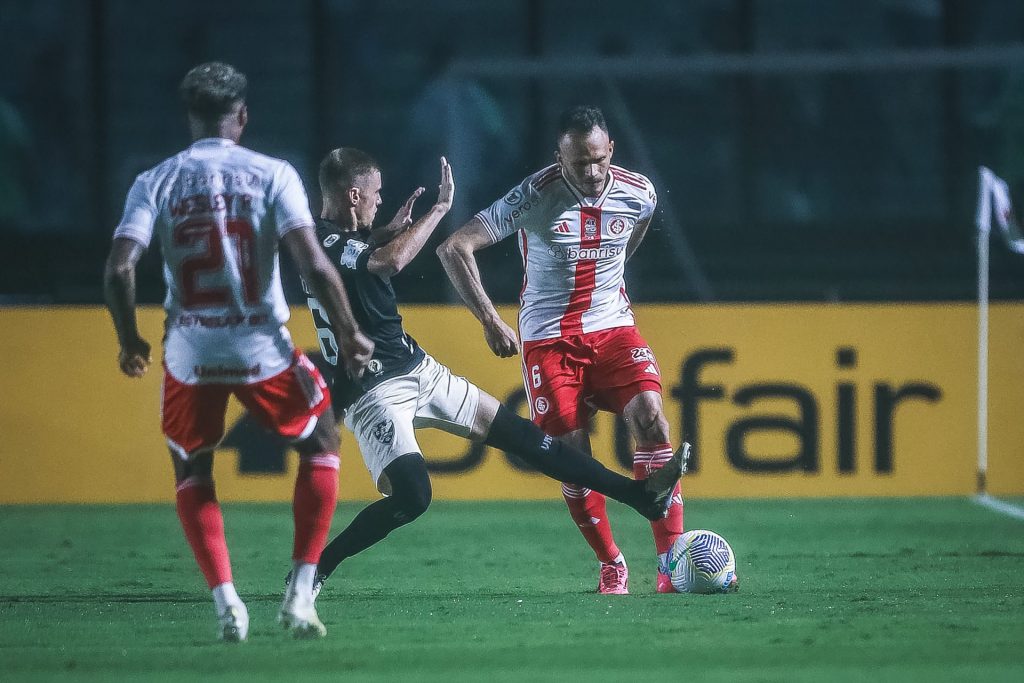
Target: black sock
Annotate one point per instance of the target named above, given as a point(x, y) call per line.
point(558, 460)
point(410, 496)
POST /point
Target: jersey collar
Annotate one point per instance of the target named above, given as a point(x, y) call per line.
point(589, 201)
point(213, 142)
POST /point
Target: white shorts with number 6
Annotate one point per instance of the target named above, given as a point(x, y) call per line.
point(384, 420)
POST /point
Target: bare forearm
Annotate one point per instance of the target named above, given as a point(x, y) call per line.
point(119, 292)
point(461, 266)
point(400, 251)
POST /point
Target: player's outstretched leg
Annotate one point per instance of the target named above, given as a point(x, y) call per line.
point(410, 497)
point(203, 524)
point(514, 434)
point(652, 497)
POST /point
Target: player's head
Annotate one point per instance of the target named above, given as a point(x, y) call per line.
point(214, 95)
point(350, 183)
point(584, 150)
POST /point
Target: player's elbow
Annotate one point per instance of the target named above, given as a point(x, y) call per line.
point(449, 250)
point(117, 272)
point(386, 265)
point(320, 277)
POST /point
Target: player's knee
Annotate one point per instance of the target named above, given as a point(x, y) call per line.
point(410, 486)
point(323, 439)
point(199, 464)
point(651, 424)
point(416, 501)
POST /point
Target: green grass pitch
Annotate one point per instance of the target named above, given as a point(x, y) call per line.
point(832, 590)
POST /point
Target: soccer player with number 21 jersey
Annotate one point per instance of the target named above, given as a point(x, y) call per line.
point(219, 211)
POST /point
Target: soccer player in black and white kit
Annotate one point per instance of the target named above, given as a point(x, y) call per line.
point(404, 388)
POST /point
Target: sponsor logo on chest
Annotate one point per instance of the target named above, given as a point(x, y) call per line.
point(590, 227)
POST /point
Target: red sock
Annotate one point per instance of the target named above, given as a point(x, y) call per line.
point(589, 511)
point(316, 494)
point(203, 523)
point(647, 459)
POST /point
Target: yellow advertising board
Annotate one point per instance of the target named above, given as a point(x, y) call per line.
point(780, 400)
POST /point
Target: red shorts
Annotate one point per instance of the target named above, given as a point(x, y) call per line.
point(568, 377)
point(288, 403)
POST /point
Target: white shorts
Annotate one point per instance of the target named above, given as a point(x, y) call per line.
point(384, 420)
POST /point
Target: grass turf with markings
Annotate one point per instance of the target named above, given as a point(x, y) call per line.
point(918, 589)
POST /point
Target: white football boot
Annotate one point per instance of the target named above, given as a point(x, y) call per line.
point(234, 623)
point(299, 616)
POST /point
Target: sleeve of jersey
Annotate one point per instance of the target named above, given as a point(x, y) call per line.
point(650, 200)
point(504, 217)
point(139, 214)
point(291, 206)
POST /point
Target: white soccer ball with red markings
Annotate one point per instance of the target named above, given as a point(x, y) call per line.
point(701, 561)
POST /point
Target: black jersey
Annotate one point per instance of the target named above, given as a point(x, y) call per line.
point(375, 309)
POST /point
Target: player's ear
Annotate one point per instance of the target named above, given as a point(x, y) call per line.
point(243, 115)
point(558, 158)
point(611, 148)
point(353, 195)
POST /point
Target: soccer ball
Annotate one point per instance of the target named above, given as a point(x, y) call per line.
point(701, 561)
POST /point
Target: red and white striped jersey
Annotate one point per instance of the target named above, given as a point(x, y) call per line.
point(219, 210)
point(573, 248)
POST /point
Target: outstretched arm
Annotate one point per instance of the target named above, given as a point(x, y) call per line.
point(458, 255)
point(355, 349)
point(119, 292)
point(402, 249)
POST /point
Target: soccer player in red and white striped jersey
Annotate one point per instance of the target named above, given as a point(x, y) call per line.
point(577, 222)
point(220, 212)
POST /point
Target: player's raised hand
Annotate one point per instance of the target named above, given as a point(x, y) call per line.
point(135, 357)
point(355, 353)
point(446, 190)
point(399, 224)
point(501, 338)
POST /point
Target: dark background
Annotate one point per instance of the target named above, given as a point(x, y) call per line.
point(820, 166)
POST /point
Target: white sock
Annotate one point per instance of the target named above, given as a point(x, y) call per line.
point(302, 578)
point(224, 595)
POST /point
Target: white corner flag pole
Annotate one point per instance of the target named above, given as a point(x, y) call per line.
point(984, 225)
point(993, 197)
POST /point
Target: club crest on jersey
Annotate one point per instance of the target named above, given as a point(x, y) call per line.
point(617, 226)
point(513, 197)
point(374, 367)
point(351, 254)
point(331, 239)
point(384, 431)
point(563, 229)
point(541, 405)
point(590, 227)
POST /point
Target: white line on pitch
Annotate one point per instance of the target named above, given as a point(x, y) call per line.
point(991, 503)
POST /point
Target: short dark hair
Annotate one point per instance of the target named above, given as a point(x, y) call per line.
point(581, 119)
point(211, 90)
point(342, 166)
